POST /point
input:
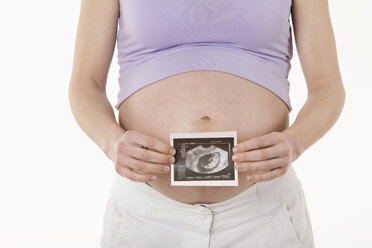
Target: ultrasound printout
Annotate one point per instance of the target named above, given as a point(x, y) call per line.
point(204, 159)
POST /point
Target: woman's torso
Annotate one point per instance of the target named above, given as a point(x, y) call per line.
point(203, 101)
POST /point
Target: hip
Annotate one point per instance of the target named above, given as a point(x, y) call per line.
point(267, 214)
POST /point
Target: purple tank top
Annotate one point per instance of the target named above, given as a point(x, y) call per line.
point(248, 38)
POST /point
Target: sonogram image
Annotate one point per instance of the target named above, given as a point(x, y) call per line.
point(206, 160)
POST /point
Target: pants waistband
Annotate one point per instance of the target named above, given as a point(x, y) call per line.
point(260, 196)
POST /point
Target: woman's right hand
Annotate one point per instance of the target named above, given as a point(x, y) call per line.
point(140, 157)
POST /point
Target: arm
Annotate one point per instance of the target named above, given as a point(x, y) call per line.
point(136, 156)
point(316, 48)
point(94, 47)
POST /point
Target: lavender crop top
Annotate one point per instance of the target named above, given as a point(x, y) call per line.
point(248, 38)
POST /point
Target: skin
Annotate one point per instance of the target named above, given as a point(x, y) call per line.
point(267, 145)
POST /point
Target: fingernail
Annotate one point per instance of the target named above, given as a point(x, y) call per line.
point(171, 160)
point(153, 178)
point(172, 151)
point(235, 149)
point(166, 168)
point(239, 167)
point(235, 157)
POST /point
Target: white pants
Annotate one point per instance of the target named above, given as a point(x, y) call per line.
point(270, 214)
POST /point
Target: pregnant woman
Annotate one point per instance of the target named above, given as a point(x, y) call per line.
point(205, 66)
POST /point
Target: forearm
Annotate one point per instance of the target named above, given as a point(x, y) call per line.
point(94, 114)
point(319, 113)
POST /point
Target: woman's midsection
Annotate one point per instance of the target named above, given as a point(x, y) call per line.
point(203, 101)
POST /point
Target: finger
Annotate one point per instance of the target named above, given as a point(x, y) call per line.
point(259, 142)
point(149, 155)
point(150, 142)
point(143, 166)
point(262, 154)
point(270, 175)
point(262, 165)
point(135, 176)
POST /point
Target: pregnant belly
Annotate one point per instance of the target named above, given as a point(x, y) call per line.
point(203, 101)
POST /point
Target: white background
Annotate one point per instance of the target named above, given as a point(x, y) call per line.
point(54, 181)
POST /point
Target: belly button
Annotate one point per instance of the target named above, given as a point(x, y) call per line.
point(205, 118)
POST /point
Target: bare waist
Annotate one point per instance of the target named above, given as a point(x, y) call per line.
point(203, 101)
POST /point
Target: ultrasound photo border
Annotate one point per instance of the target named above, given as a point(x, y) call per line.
point(225, 134)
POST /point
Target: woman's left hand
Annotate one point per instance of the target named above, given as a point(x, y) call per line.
point(264, 157)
